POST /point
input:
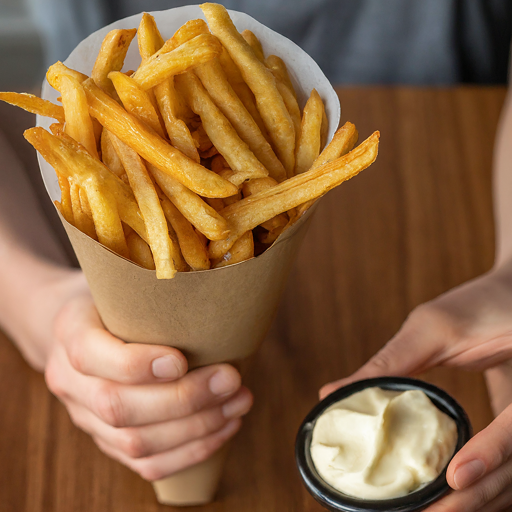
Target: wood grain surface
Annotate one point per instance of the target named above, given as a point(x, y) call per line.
point(415, 224)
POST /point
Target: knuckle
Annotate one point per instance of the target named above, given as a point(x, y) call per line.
point(185, 400)
point(109, 406)
point(127, 366)
point(207, 422)
point(75, 352)
point(132, 443)
point(201, 450)
point(148, 471)
point(54, 381)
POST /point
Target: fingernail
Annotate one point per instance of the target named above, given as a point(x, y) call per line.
point(222, 384)
point(465, 475)
point(236, 407)
point(166, 367)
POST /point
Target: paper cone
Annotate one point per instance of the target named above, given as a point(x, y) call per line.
point(212, 316)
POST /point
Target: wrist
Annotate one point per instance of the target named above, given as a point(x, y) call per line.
point(33, 291)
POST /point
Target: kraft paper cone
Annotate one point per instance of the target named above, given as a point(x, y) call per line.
point(212, 316)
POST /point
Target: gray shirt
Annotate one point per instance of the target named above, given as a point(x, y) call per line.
point(354, 41)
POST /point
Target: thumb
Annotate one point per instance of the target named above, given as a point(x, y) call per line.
point(412, 350)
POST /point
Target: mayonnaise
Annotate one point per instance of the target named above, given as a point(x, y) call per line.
point(379, 444)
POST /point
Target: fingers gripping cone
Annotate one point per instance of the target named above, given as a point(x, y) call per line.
point(212, 316)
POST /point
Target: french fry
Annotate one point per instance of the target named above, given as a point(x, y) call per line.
point(70, 159)
point(176, 255)
point(78, 121)
point(87, 212)
point(153, 148)
point(66, 208)
point(186, 32)
point(150, 207)
point(140, 252)
point(242, 90)
point(195, 210)
point(343, 141)
point(243, 249)
point(260, 80)
point(149, 38)
point(109, 156)
point(308, 147)
point(254, 43)
point(259, 185)
point(58, 70)
point(111, 58)
point(136, 101)
point(220, 131)
point(82, 220)
point(151, 41)
point(293, 109)
point(280, 72)
point(107, 222)
point(177, 130)
point(227, 174)
point(215, 82)
point(33, 104)
point(252, 211)
point(160, 66)
point(191, 246)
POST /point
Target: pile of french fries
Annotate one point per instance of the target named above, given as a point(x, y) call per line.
point(181, 164)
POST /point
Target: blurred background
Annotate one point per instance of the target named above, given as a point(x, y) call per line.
point(420, 42)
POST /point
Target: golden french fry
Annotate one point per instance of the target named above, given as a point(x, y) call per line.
point(149, 38)
point(78, 121)
point(176, 255)
point(216, 204)
point(252, 211)
point(308, 147)
point(33, 104)
point(280, 72)
point(191, 246)
point(220, 131)
point(259, 185)
point(228, 174)
point(178, 132)
point(87, 213)
point(215, 82)
point(82, 221)
point(58, 70)
point(254, 43)
point(292, 107)
point(269, 237)
point(324, 130)
point(151, 41)
point(201, 139)
point(242, 90)
point(185, 57)
point(194, 209)
point(109, 156)
point(260, 80)
point(111, 58)
point(140, 252)
point(70, 159)
point(65, 199)
point(153, 148)
point(202, 238)
point(343, 141)
point(107, 222)
point(150, 207)
point(136, 101)
point(186, 32)
point(243, 249)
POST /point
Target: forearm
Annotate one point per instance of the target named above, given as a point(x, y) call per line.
point(30, 256)
point(503, 186)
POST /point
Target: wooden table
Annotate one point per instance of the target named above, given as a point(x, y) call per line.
point(414, 225)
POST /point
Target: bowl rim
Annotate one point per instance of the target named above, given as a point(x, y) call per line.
point(333, 499)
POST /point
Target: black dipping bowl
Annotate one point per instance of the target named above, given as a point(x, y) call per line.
point(336, 501)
